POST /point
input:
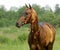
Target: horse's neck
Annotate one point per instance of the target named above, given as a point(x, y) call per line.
point(35, 26)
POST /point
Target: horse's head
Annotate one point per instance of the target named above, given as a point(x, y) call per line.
point(28, 16)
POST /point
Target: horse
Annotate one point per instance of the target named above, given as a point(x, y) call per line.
point(42, 35)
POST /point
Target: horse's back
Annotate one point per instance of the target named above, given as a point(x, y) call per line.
point(48, 31)
point(42, 24)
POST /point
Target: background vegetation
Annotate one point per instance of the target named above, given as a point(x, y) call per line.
point(13, 38)
point(45, 14)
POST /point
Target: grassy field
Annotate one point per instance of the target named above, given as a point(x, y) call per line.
point(12, 38)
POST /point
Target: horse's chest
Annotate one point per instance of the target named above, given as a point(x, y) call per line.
point(34, 38)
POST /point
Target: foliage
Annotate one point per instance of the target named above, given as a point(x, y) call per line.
point(45, 14)
point(57, 9)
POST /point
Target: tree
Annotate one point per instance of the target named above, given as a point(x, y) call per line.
point(57, 9)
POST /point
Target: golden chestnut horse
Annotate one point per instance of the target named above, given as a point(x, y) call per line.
point(42, 35)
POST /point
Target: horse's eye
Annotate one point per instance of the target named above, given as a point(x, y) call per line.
point(26, 13)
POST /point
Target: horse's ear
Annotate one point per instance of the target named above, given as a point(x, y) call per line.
point(26, 5)
point(30, 6)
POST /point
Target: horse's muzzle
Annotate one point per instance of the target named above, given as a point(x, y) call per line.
point(17, 25)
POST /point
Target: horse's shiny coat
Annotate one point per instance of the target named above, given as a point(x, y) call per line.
point(42, 35)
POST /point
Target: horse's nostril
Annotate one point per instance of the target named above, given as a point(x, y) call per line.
point(16, 24)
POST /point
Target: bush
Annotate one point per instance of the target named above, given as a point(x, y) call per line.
point(4, 39)
point(22, 37)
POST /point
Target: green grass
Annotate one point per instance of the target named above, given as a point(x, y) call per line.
point(57, 40)
point(12, 38)
point(14, 47)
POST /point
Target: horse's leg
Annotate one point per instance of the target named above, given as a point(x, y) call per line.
point(38, 47)
point(50, 46)
point(32, 47)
